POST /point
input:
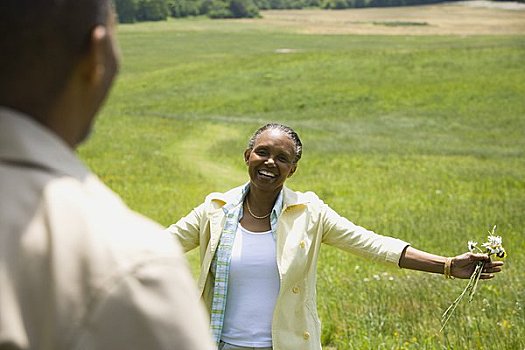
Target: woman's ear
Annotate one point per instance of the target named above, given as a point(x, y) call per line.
point(247, 155)
point(292, 171)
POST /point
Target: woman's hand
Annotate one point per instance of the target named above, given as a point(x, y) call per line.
point(463, 266)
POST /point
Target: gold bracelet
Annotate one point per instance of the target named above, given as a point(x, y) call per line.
point(448, 265)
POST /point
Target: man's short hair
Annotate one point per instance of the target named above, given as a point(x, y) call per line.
point(40, 43)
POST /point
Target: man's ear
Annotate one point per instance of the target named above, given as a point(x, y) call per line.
point(94, 61)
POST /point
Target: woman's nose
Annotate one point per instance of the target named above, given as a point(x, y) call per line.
point(270, 161)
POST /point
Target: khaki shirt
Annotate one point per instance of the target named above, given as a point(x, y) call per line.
point(304, 223)
point(78, 269)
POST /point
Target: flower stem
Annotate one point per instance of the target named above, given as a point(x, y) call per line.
point(476, 275)
point(470, 289)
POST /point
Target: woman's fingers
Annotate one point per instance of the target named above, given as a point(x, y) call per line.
point(486, 276)
point(493, 267)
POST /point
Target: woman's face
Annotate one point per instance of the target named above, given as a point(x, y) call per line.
point(271, 161)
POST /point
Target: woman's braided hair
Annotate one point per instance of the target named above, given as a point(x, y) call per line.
point(285, 129)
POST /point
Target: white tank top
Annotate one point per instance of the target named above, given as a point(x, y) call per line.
point(253, 287)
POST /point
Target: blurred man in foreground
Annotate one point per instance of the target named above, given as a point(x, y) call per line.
point(78, 269)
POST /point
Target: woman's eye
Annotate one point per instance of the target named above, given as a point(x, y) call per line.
point(261, 152)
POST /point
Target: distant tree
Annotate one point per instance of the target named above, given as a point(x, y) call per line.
point(262, 4)
point(184, 8)
point(126, 10)
point(152, 10)
point(312, 3)
point(378, 3)
point(294, 4)
point(219, 9)
point(205, 6)
point(243, 9)
point(276, 4)
point(232, 9)
point(334, 4)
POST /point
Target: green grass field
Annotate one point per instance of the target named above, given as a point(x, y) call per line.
point(418, 137)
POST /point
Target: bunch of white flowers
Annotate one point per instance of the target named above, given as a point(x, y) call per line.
point(493, 246)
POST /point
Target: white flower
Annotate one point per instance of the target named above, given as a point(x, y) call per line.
point(490, 249)
point(472, 245)
point(494, 240)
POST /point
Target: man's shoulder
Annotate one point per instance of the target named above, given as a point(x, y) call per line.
point(90, 211)
point(110, 262)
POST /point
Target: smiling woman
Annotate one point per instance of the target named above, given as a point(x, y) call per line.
point(258, 271)
point(271, 157)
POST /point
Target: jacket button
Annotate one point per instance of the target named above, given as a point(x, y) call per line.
point(306, 335)
point(302, 244)
point(295, 290)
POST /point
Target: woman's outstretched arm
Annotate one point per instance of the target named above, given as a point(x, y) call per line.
point(461, 266)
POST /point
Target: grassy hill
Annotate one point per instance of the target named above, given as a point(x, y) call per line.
point(420, 137)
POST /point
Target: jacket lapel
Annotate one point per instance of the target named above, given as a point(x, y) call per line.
point(291, 229)
point(217, 218)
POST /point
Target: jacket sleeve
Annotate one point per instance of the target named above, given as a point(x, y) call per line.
point(187, 230)
point(342, 233)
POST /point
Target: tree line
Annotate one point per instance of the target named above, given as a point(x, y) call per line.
point(130, 11)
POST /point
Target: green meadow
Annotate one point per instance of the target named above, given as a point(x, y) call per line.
point(418, 137)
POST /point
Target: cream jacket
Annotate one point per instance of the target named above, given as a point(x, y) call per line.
point(305, 222)
point(78, 269)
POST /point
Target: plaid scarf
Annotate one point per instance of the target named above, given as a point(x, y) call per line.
point(222, 258)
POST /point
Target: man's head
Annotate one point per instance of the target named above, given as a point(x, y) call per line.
point(58, 59)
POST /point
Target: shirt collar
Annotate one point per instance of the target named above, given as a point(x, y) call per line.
point(234, 197)
point(23, 140)
point(287, 198)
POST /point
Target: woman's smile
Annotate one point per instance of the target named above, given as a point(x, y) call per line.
point(267, 174)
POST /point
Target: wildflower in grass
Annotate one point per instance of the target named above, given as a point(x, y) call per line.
point(493, 247)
